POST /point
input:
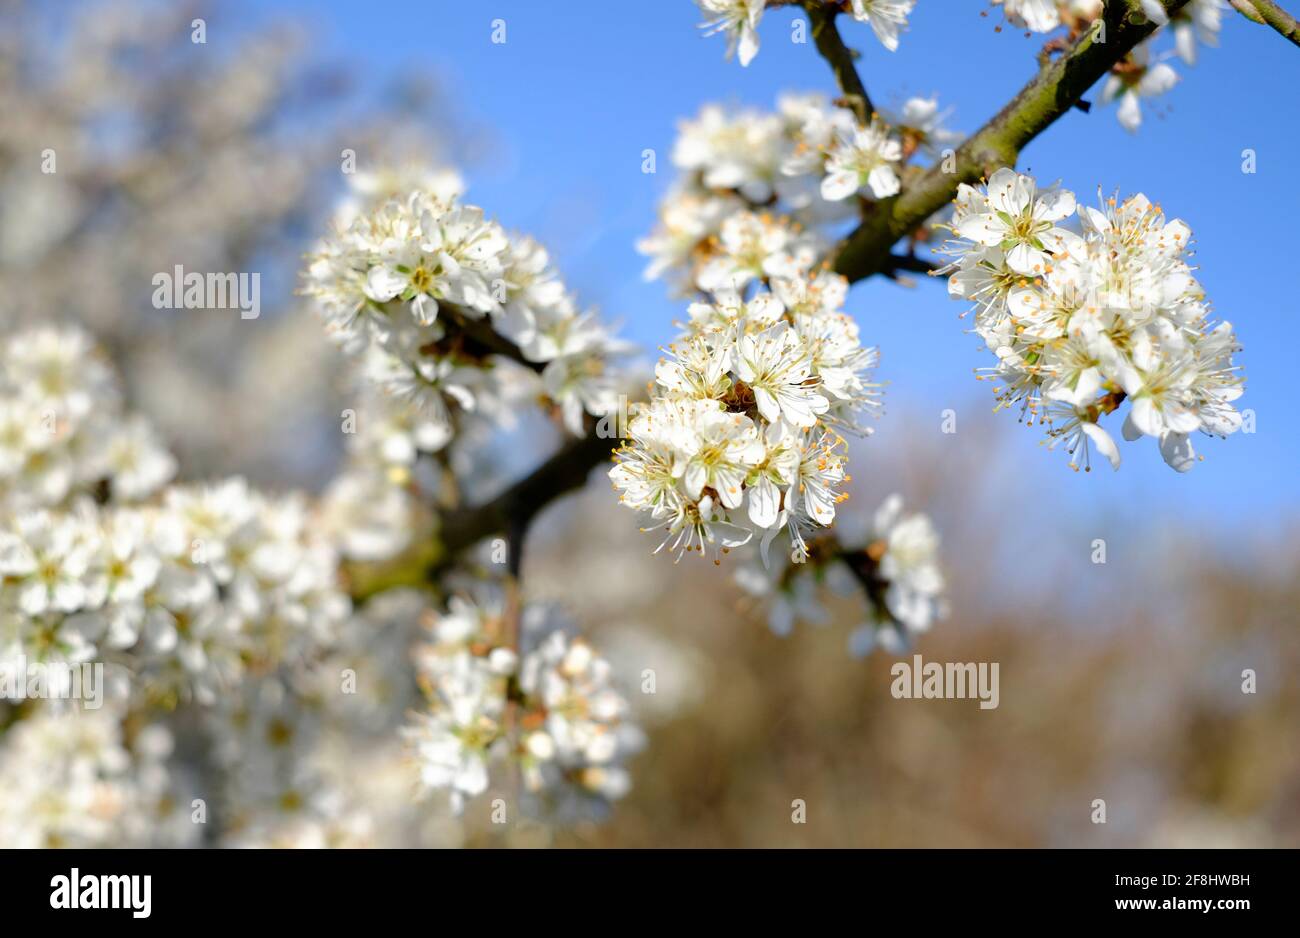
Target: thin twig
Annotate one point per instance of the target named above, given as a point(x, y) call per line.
point(831, 45)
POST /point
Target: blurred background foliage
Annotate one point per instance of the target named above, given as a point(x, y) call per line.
point(1120, 681)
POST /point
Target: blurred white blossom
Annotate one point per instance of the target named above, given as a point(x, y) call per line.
point(550, 709)
point(896, 571)
point(74, 779)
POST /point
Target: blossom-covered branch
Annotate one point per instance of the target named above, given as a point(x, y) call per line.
point(431, 297)
point(1050, 94)
point(743, 439)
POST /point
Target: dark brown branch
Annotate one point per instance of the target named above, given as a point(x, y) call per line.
point(509, 513)
point(514, 509)
point(864, 564)
point(909, 263)
point(516, 531)
point(1053, 91)
point(831, 45)
point(481, 340)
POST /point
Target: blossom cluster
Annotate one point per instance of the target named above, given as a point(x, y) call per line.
point(1143, 73)
point(738, 20)
point(549, 709)
point(181, 592)
point(424, 288)
point(896, 571)
point(454, 328)
point(185, 594)
point(228, 598)
point(286, 746)
point(1082, 320)
point(801, 168)
point(741, 436)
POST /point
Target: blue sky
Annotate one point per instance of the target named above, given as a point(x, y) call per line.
point(581, 87)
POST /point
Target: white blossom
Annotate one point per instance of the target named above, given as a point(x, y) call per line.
point(908, 564)
point(759, 193)
point(1138, 78)
point(383, 281)
point(887, 18)
point(73, 779)
point(267, 741)
point(1020, 221)
point(1199, 21)
point(738, 19)
point(920, 124)
point(185, 590)
point(1039, 16)
point(865, 160)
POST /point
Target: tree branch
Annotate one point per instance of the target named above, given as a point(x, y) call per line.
point(1056, 89)
point(1246, 9)
point(514, 509)
point(509, 513)
point(1273, 15)
point(908, 263)
point(831, 45)
point(1051, 93)
point(864, 564)
point(481, 339)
